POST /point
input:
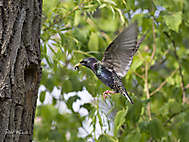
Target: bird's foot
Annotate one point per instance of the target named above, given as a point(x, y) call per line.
point(107, 93)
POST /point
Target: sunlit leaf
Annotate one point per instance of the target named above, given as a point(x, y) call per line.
point(72, 30)
point(173, 20)
point(119, 120)
point(106, 138)
point(77, 18)
point(93, 42)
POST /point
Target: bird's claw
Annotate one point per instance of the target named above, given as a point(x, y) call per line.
point(107, 94)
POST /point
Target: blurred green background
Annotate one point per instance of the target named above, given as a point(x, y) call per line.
point(70, 106)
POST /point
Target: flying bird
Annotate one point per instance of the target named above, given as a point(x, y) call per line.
point(116, 60)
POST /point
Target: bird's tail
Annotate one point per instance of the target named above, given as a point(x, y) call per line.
point(124, 92)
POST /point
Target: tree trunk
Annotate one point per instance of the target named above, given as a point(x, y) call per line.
point(20, 70)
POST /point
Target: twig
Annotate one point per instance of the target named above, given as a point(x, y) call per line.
point(181, 76)
point(163, 83)
point(154, 41)
point(187, 86)
point(58, 19)
point(141, 76)
point(146, 72)
point(174, 115)
point(184, 100)
point(147, 91)
point(84, 53)
point(162, 61)
point(140, 56)
point(72, 11)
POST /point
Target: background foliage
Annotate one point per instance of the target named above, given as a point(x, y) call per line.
point(157, 81)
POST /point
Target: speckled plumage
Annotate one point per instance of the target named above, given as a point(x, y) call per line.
point(117, 60)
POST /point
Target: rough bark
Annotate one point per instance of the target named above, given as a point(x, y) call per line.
point(20, 70)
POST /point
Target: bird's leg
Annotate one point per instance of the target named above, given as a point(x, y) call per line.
point(107, 93)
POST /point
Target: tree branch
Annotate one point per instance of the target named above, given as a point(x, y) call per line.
point(184, 100)
point(147, 90)
point(141, 76)
point(163, 83)
point(154, 41)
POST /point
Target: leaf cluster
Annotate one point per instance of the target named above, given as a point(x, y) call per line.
point(157, 80)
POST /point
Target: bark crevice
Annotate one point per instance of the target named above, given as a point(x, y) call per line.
point(20, 70)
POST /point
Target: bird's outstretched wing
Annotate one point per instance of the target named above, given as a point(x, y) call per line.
point(118, 55)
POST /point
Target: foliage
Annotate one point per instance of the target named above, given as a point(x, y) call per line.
point(157, 80)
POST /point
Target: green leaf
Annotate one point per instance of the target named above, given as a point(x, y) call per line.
point(93, 42)
point(132, 137)
point(87, 106)
point(144, 127)
point(183, 132)
point(110, 2)
point(71, 100)
point(137, 62)
point(173, 20)
point(119, 120)
point(156, 129)
point(42, 96)
point(54, 101)
point(174, 107)
point(67, 86)
point(134, 112)
point(121, 15)
point(130, 4)
point(73, 30)
point(77, 18)
point(107, 138)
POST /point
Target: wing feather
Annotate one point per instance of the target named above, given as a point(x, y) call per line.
point(119, 54)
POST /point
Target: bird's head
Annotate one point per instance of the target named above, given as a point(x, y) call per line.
point(88, 62)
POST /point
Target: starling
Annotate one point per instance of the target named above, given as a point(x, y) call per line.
point(116, 60)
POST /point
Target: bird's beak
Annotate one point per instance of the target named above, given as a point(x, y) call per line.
point(82, 63)
point(77, 66)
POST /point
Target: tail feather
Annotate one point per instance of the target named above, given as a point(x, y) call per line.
point(127, 96)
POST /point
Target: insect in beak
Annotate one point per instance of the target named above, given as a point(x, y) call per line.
point(76, 67)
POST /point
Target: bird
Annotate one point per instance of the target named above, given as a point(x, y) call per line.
point(116, 61)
